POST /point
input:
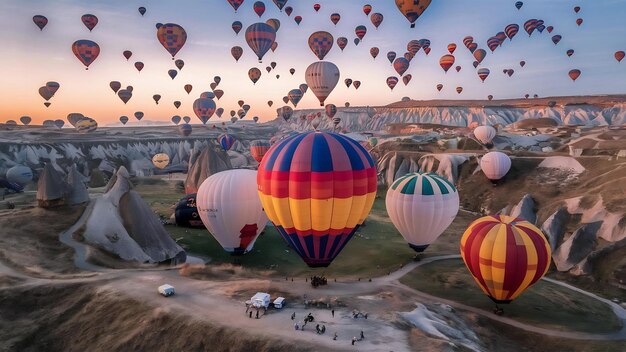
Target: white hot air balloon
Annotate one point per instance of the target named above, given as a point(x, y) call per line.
point(485, 134)
point(495, 165)
point(322, 77)
point(20, 174)
point(422, 206)
point(229, 206)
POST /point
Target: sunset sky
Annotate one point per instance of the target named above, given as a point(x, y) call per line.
point(31, 57)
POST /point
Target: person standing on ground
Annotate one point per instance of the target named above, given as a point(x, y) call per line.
point(362, 335)
point(353, 340)
point(293, 316)
point(250, 314)
point(257, 314)
point(332, 312)
point(335, 337)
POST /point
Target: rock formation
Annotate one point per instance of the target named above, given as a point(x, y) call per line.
point(205, 161)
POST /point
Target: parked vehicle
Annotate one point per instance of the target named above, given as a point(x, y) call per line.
point(166, 290)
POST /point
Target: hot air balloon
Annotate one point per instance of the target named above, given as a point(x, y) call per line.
point(235, 3)
point(274, 23)
point(229, 207)
point(240, 103)
point(175, 119)
point(177, 104)
point(280, 4)
point(236, 52)
point(173, 37)
point(226, 141)
point(392, 82)
point(139, 66)
point(576, 9)
point(254, 74)
point(556, 39)
point(422, 206)
point(356, 84)
point(179, 64)
point(218, 93)
point(303, 88)
point(468, 40)
point(485, 134)
point(451, 48)
point(40, 21)
point(401, 65)
point(86, 51)
point(330, 110)
point(86, 125)
point(73, 118)
point(619, 56)
point(459, 90)
point(161, 160)
point(406, 79)
point(25, 120)
point(127, 54)
point(446, 62)
point(19, 174)
point(357, 41)
point(237, 26)
point(348, 82)
point(260, 37)
point(377, 19)
point(550, 29)
point(360, 31)
point(413, 9)
point(439, 87)
point(259, 8)
point(172, 73)
point(530, 26)
point(334, 18)
point(285, 112)
point(480, 55)
point(511, 30)
point(483, 73)
point(574, 74)
point(570, 52)
point(342, 42)
point(505, 255)
point(90, 21)
point(391, 56)
point(138, 115)
point(142, 10)
point(579, 21)
point(185, 129)
point(316, 231)
point(522, 63)
point(295, 95)
point(374, 52)
point(298, 20)
point(285, 99)
point(493, 43)
point(219, 112)
point(519, 5)
point(320, 43)
point(186, 119)
point(322, 78)
point(472, 47)
point(258, 149)
point(408, 56)
point(317, 7)
point(495, 165)
point(204, 108)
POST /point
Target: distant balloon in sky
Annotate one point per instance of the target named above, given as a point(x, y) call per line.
point(139, 65)
point(574, 74)
point(173, 37)
point(367, 9)
point(124, 120)
point(237, 26)
point(274, 23)
point(360, 32)
point(142, 10)
point(446, 62)
point(356, 84)
point(288, 10)
point(235, 3)
point(519, 5)
point(260, 37)
point(188, 88)
point(226, 141)
point(90, 21)
point(172, 73)
point(236, 52)
point(139, 115)
point(127, 54)
point(40, 21)
point(204, 108)
point(86, 51)
point(156, 98)
point(413, 9)
point(254, 74)
point(392, 82)
point(320, 43)
point(619, 55)
point(483, 73)
point(298, 20)
point(259, 8)
point(177, 104)
point(334, 18)
point(280, 4)
point(391, 56)
point(374, 51)
point(179, 64)
point(317, 7)
point(342, 42)
point(295, 95)
point(401, 65)
point(377, 19)
point(322, 78)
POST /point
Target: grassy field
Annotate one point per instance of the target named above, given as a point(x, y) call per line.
point(544, 304)
point(376, 249)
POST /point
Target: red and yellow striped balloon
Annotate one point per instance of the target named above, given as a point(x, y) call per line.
point(317, 188)
point(505, 255)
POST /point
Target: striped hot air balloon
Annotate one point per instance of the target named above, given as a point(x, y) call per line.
point(360, 32)
point(391, 56)
point(330, 110)
point(226, 141)
point(317, 188)
point(392, 82)
point(322, 78)
point(259, 8)
point(413, 46)
point(511, 30)
point(259, 148)
point(320, 43)
point(173, 37)
point(401, 64)
point(295, 95)
point(451, 48)
point(483, 73)
point(446, 62)
point(237, 26)
point(235, 3)
point(260, 37)
point(493, 43)
point(505, 255)
point(422, 206)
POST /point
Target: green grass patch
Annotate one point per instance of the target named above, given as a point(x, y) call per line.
point(544, 304)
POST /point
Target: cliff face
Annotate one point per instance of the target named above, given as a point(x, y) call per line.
point(376, 119)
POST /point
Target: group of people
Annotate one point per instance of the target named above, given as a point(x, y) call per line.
point(318, 281)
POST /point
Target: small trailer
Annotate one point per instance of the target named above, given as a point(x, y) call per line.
point(279, 302)
point(260, 300)
point(166, 290)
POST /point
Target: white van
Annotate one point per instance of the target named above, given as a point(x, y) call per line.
point(260, 300)
point(166, 290)
point(279, 302)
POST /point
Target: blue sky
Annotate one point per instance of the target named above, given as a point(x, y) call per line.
point(32, 58)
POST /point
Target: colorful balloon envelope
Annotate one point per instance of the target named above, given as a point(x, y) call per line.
point(392, 82)
point(334, 18)
point(391, 56)
point(254, 74)
point(422, 206)
point(505, 255)
point(236, 52)
point(235, 3)
point(446, 62)
point(90, 21)
point(317, 188)
point(295, 95)
point(342, 42)
point(280, 4)
point(230, 209)
point(360, 32)
point(330, 110)
point(40, 21)
point(127, 54)
point(322, 78)
point(86, 51)
point(401, 65)
point(204, 108)
point(320, 43)
point(574, 74)
point(413, 9)
point(374, 52)
point(377, 19)
point(226, 141)
point(237, 26)
point(259, 148)
point(161, 160)
point(260, 37)
point(619, 55)
point(173, 37)
point(483, 73)
point(259, 8)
